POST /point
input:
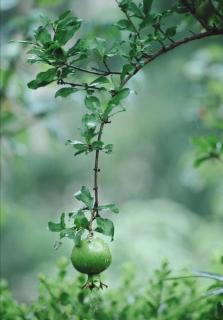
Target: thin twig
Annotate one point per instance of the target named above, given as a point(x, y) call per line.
point(106, 65)
point(95, 72)
point(81, 85)
point(106, 73)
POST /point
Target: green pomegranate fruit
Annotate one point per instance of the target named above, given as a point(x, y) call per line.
point(92, 257)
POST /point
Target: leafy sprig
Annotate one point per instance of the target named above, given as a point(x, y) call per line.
point(145, 36)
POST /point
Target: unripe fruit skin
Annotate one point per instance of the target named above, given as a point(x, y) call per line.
point(91, 256)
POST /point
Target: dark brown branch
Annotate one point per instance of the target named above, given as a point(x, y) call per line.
point(95, 72)
point(106, 65)
point(106, 73)
point(81, 85)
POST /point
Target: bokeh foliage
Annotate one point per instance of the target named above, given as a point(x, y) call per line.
point(162, 297)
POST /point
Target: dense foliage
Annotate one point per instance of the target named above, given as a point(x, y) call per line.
point(163, 297)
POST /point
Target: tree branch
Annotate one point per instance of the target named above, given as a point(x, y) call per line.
point(162, 50)
point(96, 171)
point(148, 59)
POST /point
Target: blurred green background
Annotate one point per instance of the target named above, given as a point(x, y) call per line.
point(175, 208)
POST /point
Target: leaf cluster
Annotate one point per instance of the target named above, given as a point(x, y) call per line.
point(78, 222)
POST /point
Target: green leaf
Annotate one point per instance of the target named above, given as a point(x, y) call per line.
point(42, 35)
point(64, 92)
point(57, 227)
point(21, 41)
point(108, 148)
point(170, 32)
point(215, 292)
point(105, 226)
point(64, 14)
point(77, 237)
point(78, 145)
point(80, 220)
point(100, 80)
point(97, 145)
point(116, 100)
point(66, 28)
point(101, 46)
point(200, 160)
point(124, 25)
point(64, 298)
point(67, 233)
point(122, 94)
point(89, 124)
point(92, 103)
point(210, 147)
point(33, 60)
point(79, 49)
point(84, 195)
point(43, 79)
point(127, 69)
point(111, 207)
point(54, 227)
point(90, 121)
point(136, 10)
point(147, 4)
